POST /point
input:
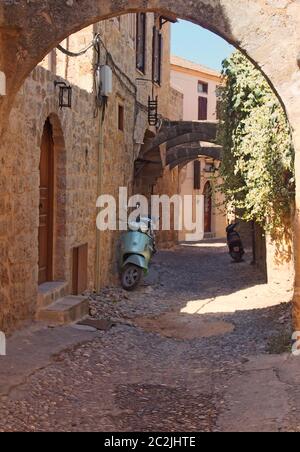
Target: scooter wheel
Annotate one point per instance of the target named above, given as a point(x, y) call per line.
point(131, 277)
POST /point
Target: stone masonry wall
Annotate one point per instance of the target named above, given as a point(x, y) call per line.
point(77, 145)
point(75, 137)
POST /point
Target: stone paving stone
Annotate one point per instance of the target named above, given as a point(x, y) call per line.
point(129, 378)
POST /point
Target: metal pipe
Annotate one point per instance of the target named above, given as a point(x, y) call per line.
point(99, 192)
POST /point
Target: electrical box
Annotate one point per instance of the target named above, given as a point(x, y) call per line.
point(106, 80)
point(2, 84)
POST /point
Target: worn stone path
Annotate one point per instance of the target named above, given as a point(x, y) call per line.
point(190, 352)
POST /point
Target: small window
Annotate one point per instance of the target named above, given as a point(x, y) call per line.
point(202, 87)
point(121, 118)
point(209, 167)
point(157, 56)
point(141, 32)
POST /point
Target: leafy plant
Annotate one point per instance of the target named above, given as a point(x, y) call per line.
point(258, 156)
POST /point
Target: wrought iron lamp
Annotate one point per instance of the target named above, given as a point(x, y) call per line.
point(65, 94)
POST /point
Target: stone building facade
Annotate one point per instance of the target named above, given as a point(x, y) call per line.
point(200, 177)
point(94, 153)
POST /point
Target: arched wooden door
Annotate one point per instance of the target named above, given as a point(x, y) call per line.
point(207, 208)
point(46, 205)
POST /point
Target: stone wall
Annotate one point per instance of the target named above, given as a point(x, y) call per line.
point(75, 138)
point(218, 211)
point(92, 157)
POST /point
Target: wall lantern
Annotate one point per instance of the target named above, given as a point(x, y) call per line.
point(65, 94)
point(153, 116)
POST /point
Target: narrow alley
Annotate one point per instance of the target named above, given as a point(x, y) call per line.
point(203, 345)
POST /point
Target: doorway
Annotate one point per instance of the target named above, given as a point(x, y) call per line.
point(46, 205)
point(207, 208)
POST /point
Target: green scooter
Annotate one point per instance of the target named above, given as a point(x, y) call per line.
point(136, 250)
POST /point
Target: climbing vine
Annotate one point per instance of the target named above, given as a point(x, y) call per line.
point(258, 155)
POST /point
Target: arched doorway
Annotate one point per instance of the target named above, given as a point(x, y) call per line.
point(52, 203)
point(46, 205)
point(207, 208)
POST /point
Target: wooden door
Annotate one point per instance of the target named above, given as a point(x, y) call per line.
point(80, 269)
point(203, 109)
point(46, 206)
point(207, 208)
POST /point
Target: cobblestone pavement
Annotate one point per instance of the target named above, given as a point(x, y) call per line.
point(190, 351)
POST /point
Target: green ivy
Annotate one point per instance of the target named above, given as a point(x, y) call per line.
point(258, 156)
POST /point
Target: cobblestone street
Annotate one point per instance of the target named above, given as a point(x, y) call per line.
point(202, 346)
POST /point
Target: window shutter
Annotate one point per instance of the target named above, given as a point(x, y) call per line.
point(203, 107)
point(141, 42)
point(157, 55)
point(197, 175)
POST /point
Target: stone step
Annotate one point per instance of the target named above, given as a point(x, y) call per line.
point(67, 310)
point(50, 292)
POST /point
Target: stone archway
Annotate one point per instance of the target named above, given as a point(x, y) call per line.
point(29, 30)
point(207, 192)
point(148, 167)
point(29, 33)
point(189, 152)
point(60, 214)
point(175, 133)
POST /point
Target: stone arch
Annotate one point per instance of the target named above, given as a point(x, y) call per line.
point(148, 167)
point(207, 193)
point(59, 201)
point(207, 187)
point(32, 31)
point(185, 139)
point(174, 133)
point(190, 152)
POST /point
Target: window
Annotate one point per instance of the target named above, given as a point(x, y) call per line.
point(203, 87)
point(202, 109)
point(157, 55)
point(121, 118)
point(141, 27)
point(197, 175)
point(209, 167)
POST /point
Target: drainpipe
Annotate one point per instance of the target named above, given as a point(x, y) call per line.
point(99, 193)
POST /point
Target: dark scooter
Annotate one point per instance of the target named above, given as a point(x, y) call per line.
point(235, 245)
